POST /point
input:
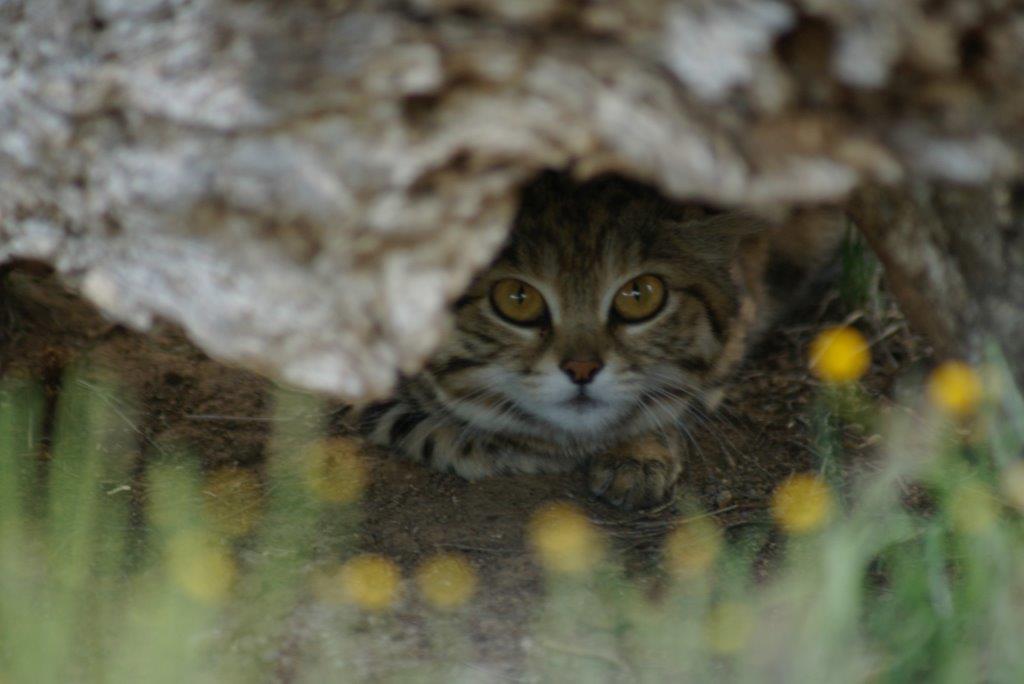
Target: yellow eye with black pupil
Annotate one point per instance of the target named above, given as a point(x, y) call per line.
point(518, 302)
point(640, 298)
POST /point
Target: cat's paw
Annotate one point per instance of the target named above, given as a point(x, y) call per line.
point(641, 478)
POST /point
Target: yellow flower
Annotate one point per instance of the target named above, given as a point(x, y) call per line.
point(802, 503)
point(954, 388)
point(370, 581)
point(727, 627)
point(233, 498)
point(1013, 484)
point(335, 471)
point(974, 509)
point(202, 569)
point(563, 539)
point(692, 548)
point(446, 581)
point(840, 355)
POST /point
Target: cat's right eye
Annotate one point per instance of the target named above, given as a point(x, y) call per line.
point(518, 302)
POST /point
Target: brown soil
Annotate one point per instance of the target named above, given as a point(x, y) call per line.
point(761, 435)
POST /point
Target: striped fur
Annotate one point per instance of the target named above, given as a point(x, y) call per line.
point(494, 400)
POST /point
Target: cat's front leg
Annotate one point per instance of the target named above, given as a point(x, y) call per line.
point(637, 475)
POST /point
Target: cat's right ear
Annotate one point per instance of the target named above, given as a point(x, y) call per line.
point(716, 238)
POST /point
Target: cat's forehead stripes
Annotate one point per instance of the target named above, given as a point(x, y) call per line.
point(579, 245)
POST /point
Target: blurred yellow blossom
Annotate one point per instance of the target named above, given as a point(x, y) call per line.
point(335, 470)
point(974, 508)
point(840, 354)
point(728, 626)
point(204, 570)
point(691, 548)
point(1013, 484)
point(370, 581)
point(233, 499)
point(446, 581)
point(955, 388)
point(563, 538)
point(802, 503)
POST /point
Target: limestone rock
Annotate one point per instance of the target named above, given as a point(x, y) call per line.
point(304, 185)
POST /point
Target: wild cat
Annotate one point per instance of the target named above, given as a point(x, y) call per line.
point(592, 340)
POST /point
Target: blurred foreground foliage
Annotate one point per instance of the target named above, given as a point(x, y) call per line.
point(907, 568)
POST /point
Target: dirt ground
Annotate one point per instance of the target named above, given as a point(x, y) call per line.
point(761, 435)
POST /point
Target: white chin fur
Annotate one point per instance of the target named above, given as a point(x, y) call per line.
point(551, 400)
point(578, 420)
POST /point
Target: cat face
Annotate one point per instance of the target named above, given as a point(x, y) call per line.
point(606, 314)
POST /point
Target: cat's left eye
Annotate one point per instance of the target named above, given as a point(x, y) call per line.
point(518, 302)
point(639, 299)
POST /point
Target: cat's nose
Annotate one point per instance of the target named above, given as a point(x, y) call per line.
point(581, 372)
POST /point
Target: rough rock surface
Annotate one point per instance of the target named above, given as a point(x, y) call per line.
point(302, 185)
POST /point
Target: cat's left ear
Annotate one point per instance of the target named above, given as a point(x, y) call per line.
point(716, 237)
